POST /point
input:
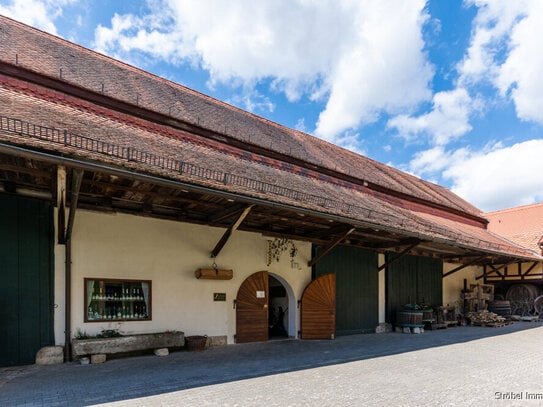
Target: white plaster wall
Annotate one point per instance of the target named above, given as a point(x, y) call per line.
point(121, 246)
point(382, 289)
point(60, 298)
point(454, 283)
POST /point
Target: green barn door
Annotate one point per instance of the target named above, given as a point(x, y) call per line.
point(26, 284)
point(413, 280)
point(357, 288)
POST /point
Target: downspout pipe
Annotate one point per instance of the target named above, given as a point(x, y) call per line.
point(77, 177)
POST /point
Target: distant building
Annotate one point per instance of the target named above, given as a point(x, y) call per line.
point(522, 225)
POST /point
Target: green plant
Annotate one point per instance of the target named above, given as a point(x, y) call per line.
point(108, 333)
point(279, 245)
point(79, 334)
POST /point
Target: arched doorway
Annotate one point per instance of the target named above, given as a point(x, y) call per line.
point(283, 304)
point(258, 313)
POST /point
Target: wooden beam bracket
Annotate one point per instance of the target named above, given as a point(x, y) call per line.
point(222, 241)
point(331, 245)
point(463, 266)
point(399, 255)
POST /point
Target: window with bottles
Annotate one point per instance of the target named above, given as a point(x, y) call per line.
point(117, 300)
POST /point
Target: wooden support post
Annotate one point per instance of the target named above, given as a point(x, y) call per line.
point(61, 204)
point(77, 177)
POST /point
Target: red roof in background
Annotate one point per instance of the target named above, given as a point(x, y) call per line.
point(522, 225)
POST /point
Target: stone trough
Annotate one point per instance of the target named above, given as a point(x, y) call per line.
point(128, 343)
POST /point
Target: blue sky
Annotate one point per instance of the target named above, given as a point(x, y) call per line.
point(450, 91)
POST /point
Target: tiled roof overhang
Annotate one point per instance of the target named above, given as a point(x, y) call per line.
point(144, 162)
point(66, 65)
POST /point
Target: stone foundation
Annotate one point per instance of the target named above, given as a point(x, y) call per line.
point(129, 343)
point(383, 327)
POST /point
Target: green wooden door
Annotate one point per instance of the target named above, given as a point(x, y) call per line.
point(413, 280)
point(357, 288)
point(26, 285)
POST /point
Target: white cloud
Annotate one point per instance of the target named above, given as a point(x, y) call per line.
point(521, 72)
point(383, 70)
point(499, 177)
point(252, 101)
point(37, 13)
point(491, 28)
point(505, 50)
point(448, 120)
point(300, 125)
point(342, 51)
point(429, 161)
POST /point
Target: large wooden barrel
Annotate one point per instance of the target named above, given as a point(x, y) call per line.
point(521, 297)
point(409, 318)
point(500, 307)
point(522, 292)
point(538, 305)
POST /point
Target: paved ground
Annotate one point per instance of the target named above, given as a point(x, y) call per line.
point(460, 366)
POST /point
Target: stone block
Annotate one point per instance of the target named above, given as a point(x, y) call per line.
point(398, 329)
point(383, 327)
point(220, 340)
point(50, 355)
point(416, 330)
point(98, 358)
point(162, 352)
point(406, 330)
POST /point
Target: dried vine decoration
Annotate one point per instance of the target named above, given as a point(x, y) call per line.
point(277, 246)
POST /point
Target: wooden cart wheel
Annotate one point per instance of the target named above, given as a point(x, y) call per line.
point(538, 305)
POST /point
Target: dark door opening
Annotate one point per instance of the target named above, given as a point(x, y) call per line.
point(278, 310)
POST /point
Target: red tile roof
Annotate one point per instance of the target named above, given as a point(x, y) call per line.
point(523, 225)
point(95, 132)
point(40, 52)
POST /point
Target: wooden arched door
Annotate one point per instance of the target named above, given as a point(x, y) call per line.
point(319, 308)
point(252, 309)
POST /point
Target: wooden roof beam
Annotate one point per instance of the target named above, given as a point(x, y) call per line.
point(399, 255)
point(494, 270)
point(331, 245)
point(389, 244)
point(220, 244)
point(227, 213)
point(535, 263)
point(463, 266)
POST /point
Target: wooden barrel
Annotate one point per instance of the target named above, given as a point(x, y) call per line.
point(538, 305)
point(428, 314)
point(522, 292)
point(409, 317)
point(500, 307)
